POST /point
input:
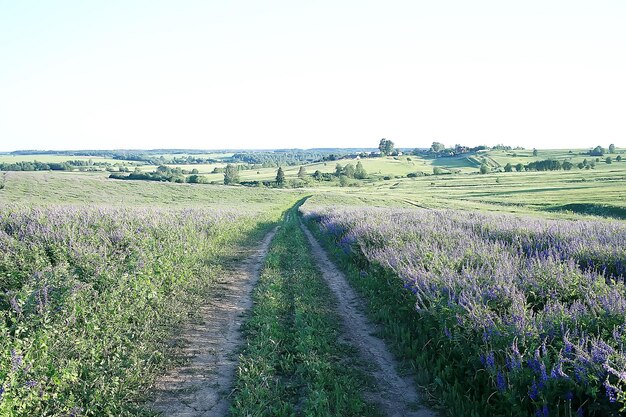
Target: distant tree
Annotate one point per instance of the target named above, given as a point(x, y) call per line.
point(349, 171)
point(609, 160)
point(597, 151)
point(580, 165)
point(535, 153)
point(195, 171)
point(619, 158)
point(302, 172)
point(360, 172)
point(567, 165)
point(611, 148)
point(231, 175)
point(519, 167)
point(484, 168)
point(343, 181)
point(386, 146)
point(317, 175)
point(280, 177)
point(508, 167)
point(338, 170)
point(437, 147)
point(197, 179)
point(438, 171)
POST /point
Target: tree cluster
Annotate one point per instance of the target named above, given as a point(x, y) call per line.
point(350, 171)
point(438, 149)
point(164, 174)
point(386, 147)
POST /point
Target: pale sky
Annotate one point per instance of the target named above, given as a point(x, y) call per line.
point(274, 74)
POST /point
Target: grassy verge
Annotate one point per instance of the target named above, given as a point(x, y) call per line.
point(293, 363)
point(390, 305)
point(90, 296)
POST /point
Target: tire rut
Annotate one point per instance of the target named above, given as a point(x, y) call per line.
point(397, 396)
point(202, 387)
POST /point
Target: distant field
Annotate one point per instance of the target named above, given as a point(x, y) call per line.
point(95, 188)
point(56, 158)
point(599, 191)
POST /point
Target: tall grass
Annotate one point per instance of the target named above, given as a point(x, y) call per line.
point(89, 297)
point(521, 316)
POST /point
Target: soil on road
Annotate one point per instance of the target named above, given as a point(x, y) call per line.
point(202, 387)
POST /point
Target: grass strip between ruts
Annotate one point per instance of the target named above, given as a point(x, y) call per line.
point(293, 363)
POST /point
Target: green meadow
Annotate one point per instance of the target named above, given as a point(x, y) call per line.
point(140, 255)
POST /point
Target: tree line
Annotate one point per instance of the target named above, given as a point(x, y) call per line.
point(50, 166)
point(165, 174)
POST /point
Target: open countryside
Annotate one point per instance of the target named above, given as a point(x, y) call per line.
point(339, 208)
point(375, 281)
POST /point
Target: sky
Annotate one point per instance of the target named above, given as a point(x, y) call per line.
point(217, 74)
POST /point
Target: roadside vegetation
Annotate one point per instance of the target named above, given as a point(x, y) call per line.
point(91, 296)
point(500, 315)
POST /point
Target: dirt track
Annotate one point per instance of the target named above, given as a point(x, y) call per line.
point(203, 386)
point(396, 395)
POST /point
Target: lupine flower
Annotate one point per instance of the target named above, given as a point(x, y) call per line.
point(611, 391)
point(556, 285)
point(31, 384)
point(533, 391)
point(16, 361)
point(543, 411)
point(501, 381)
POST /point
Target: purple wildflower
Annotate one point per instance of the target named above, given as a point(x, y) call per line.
point(15, 305)
point(611, 391)
point(16, 361)
point(31, 384)
point(533, 391)
point(76, 411)
point(501, 382)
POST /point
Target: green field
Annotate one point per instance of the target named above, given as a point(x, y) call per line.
point(142, 255)
point(56, 158)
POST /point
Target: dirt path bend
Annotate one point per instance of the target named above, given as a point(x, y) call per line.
point(396, 395)
point(202, 387)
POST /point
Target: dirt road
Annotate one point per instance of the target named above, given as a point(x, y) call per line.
point(202, 387)
point(396, 395)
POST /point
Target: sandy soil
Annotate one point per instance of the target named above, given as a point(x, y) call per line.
point(203, 386)
point(396, 395)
